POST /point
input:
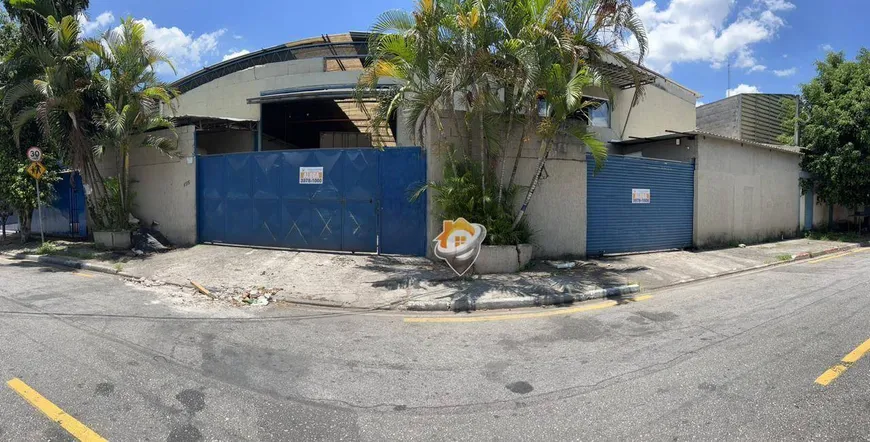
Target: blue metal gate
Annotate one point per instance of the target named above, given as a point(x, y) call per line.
point(322, 199)
point(67, 215)
point(639, 204)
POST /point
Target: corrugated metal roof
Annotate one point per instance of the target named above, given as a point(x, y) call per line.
point(672, 136)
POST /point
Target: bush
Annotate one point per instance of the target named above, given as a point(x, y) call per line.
point(460, 195)
point(117, 214)
point(47, 248)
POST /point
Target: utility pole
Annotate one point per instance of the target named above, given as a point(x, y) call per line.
point(797, 120)
point(729, 78)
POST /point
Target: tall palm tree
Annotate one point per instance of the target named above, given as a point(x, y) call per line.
point(590, 34)
point(126, 64)
point(509, 59)
point(406, 47)
point(31, 14)
point(58, 98)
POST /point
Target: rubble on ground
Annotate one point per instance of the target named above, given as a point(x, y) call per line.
point(149, 241)
point(146, 282)
point(256, 296)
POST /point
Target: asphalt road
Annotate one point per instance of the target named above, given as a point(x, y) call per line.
point(733, 358)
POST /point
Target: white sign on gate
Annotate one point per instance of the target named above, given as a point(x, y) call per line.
point(311, 175)
point(640, 196)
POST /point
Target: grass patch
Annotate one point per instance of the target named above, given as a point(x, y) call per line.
point(80, 253)
point(48, 248)
point(118, 266)
point(783, 257)
point(824, 235)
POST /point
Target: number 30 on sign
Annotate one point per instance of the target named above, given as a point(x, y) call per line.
point(34, 154)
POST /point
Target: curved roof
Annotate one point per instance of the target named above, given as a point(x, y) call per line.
point(352, 45)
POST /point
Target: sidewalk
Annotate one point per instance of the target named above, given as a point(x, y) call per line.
point(390, 282)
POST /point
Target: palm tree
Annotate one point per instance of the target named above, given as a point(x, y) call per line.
point(32, 13)
point(126, 62)
point(405, 47)
point(590, 34)
point(58, 98)
point(508, 59)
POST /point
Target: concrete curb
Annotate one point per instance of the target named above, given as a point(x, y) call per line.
point(794, 258)
point(441, 305)
point(68, 262)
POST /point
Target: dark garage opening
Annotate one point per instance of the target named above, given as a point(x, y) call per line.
point(320, 123)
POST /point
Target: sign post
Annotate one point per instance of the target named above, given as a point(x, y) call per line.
point(36, 170)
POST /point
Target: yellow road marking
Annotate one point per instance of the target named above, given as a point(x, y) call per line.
point(69, 423)
point(839, 255)
point(509, 317)
point(850, 359)
point(84, 275)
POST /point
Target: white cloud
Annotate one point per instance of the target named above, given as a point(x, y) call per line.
point(699, 103)
point(785, 72)
point(826, 47)
point(757, 68)
point(742, 89)
point(237, 36)
point(236, 54)
point(708, 31)
point(187, 52)
point(778, 5)
point(89, 27)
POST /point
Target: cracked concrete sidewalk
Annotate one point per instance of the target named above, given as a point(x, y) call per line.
point(372, 281)
point(396, 282)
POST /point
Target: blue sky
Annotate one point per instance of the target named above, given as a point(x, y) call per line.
point(771, 44)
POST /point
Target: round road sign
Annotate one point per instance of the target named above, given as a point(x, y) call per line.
point(34, 154)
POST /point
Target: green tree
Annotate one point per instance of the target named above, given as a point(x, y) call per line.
point(835, 128)
point(17, 188)
point(126, 64)
point(61, 97)
point(503, 61)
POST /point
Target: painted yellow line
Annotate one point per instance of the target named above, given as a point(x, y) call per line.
point(850, 359)
point(839, 255)
point(83, 275)
point(69, 423)
point(515, 316)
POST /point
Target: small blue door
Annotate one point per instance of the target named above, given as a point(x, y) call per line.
point(639, 204)
point(810, 204)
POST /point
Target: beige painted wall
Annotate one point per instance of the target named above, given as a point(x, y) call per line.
point(227, 96)
point(744, 193)
point(165, 187)
point(664, 106)
point(557, 212)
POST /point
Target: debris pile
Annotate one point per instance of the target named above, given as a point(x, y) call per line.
point(146, 282)
point(149, 241)
point(256, 296)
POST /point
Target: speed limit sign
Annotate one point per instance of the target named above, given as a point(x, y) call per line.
point(34, 154)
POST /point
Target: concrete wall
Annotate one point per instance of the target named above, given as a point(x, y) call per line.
point(744, 193)
point(227, 96)
point(720, 117)
point(664, 106)
point(231, 141)
point(557, 212)
point(165, 187)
